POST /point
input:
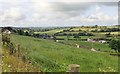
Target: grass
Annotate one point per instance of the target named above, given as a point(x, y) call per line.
point(51, 32)
point(113, 33)
point(11, 63)
point(89, 45)
point(53, 57)
point(84, 29)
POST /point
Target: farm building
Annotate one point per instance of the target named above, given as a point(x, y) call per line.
point(103, 41)
point(91, 40)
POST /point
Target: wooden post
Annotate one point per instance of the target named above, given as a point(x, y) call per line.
point(18, 49)
point(74, 68)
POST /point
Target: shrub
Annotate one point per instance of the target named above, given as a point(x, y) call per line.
point(115, 44)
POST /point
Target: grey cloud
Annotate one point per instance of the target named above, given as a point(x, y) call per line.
point(108, 3)
point(77, 8)
point(72, 9)
point(59, 6)
point(62, 6)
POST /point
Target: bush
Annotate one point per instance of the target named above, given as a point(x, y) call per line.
point(76, 36)
point(26, 33)
point(20, 32)
point(115, 44)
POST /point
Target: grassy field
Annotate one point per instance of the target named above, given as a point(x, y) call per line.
point(113, 33)
point(89, 45)
point(53, 57)
point(84, 29)
point(90, 28)
point(51, 32)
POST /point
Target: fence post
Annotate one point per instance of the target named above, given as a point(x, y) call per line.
point(74, 68)
point(18, 49)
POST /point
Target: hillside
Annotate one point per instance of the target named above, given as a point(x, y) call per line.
point(11, 63)
point(53, 56)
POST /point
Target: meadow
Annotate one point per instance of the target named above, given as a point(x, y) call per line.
point(51, 32)
point(53, 56)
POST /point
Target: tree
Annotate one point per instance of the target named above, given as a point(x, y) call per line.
point(20, 32)
point(6, 28)
point(118, 45)
point(76, 36)
point(26, 33)
point(108, 34)
point(115, 44)
point(96, 26)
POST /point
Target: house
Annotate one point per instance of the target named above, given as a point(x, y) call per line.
point(103, 41)
point(93, 49)
point(91, 40)
point(57, 40)
point(78, 46)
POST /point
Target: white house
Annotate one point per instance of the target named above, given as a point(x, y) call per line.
point(93, 49)
point(90, 40)
point(103, 41)
point(78, 46)
point(57, 40)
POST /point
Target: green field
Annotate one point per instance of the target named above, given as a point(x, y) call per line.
point(89, 45)
point(53, 57)
point(81, 37)
point(51, 32)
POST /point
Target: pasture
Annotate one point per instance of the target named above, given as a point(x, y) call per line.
point(51, 32)
point(89, 45)
point(55, 57)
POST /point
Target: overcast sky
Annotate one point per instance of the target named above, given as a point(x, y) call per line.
point(44, 13)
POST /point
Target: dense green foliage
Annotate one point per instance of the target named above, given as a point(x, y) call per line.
point(115, 44)
point(20, 32)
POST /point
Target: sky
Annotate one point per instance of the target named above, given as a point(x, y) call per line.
point(50, 13)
